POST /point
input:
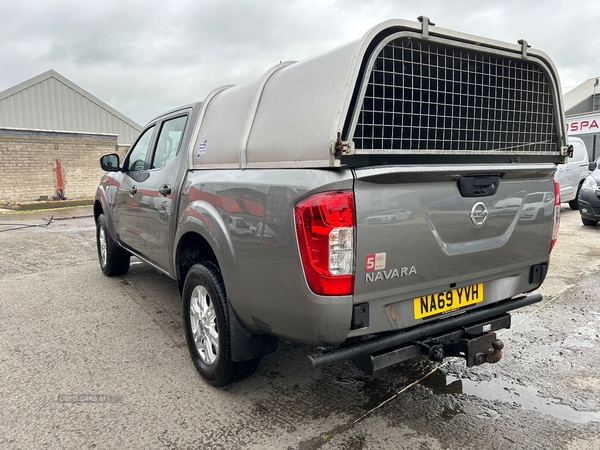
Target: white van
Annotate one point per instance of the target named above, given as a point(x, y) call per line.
point(571, 175)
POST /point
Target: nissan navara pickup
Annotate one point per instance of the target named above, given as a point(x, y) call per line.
point(372, 201)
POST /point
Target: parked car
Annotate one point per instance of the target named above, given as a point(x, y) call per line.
point(395, 215)
point(571, 175)
point(241, 227)
point(509, 205)
point(537, 206)
point(589, 203)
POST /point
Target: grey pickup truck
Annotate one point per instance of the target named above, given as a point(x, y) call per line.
point(388, 199)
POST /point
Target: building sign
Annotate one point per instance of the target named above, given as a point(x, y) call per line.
point(583, 125)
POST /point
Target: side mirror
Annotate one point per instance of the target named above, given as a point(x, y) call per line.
point(592, 165)
point(110, 163)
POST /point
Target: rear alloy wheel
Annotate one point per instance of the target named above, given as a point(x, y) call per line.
point(204, 325)
point(114, 260)
point(589, 222)
point(207, 331)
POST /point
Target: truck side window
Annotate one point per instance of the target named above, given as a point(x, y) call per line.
point(168, 142)
point(136, 160)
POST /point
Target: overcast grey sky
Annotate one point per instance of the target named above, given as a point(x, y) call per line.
point(143, 57)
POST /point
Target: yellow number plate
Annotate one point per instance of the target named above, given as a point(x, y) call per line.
point(430, 305)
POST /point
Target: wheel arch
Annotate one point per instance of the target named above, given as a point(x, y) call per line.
point(101, 207)
point(202, 227)
point(98, 209)
point(192, 248)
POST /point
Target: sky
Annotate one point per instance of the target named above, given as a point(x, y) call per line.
point(144, 57)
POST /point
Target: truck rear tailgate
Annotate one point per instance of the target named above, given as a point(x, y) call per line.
point(426, 250)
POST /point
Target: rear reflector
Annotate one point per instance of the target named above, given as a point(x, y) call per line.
point(325, 224)
point(556, 215)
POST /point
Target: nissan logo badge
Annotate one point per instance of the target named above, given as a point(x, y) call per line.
point(478, 214)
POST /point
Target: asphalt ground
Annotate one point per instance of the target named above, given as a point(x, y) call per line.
point(88, 361)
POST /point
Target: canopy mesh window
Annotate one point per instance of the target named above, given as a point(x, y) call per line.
point(422, 95)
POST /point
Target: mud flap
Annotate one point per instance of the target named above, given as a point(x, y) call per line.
point(246, 346)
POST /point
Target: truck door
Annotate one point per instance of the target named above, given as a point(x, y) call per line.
point(127, 197)
point(156, 192)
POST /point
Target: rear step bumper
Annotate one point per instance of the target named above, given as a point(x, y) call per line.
point(467, 342)
point(448, 331)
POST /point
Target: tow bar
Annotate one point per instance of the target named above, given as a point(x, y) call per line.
point(476, 351)
point(467, 342)
point(470, 335)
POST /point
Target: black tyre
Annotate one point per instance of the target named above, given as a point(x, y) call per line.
point(540, 216)
point(114, 260)
point(574, 204)
point(589, 222)
point(206, 321)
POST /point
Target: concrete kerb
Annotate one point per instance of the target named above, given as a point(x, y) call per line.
point(68, 212)
point(43, 205)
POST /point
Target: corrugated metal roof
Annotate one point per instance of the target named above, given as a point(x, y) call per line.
point(580, 93)
point(49, 101)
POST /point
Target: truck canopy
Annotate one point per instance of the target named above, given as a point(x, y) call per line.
point(405, 91)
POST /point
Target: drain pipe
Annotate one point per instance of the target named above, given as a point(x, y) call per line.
point(59, 181)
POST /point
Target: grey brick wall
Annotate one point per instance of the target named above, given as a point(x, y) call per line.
point(27, 163)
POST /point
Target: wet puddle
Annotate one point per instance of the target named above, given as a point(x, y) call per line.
point(507, 392)
point(523, 323)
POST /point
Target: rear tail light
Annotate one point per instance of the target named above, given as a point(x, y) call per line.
point(325, 224)
point(556, 215)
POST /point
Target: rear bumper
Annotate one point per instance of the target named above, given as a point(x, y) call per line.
point(393, 340)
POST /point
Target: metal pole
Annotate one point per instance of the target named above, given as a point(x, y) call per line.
point(594, 149)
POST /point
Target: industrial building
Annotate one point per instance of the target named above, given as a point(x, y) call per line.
point(52, 133)
point(582, 110)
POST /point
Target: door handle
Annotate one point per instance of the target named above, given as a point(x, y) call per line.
point(165, 190)
point(133, 191)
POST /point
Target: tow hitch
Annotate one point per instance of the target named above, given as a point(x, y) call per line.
point(476, 351)
point(477, 343)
